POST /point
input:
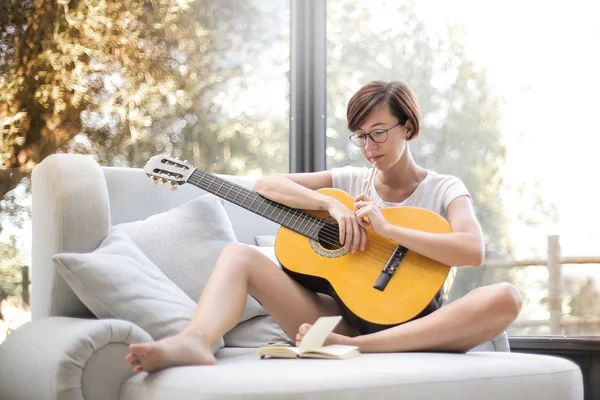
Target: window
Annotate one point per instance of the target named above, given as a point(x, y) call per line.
point(204, 81)
point(510, 110)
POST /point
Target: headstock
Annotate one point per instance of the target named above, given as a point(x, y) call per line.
point(163, 169)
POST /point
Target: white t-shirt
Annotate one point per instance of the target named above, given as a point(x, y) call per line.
point(434, 193)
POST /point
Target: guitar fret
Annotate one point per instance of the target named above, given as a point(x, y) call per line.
point(290, 214)
point(303, 220)
point(295, 220)
point(261, 203)
point(235, 198)
point(212, 181)
point(278, 215)
point(273, 209)
point(253, 200)
point(246, 198)
point(222, 183)
point(227, 194)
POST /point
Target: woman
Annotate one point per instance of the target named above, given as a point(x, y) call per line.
point(384, 117)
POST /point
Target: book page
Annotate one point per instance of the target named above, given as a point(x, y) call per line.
point(316, 335)
point(279, 351)
point(336, 350)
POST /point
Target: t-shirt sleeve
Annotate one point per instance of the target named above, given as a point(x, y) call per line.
point(349, 179)
point(453, 188)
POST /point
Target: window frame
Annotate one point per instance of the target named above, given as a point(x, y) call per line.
point(308, 69)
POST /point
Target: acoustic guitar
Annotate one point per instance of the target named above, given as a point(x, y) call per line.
point(382, 286)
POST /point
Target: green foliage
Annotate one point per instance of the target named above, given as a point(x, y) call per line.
point(122, 81)
point(11, 261)
point(168, 92)
point(125, 80)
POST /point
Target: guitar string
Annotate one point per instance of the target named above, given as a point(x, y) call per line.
point(376, 249)
point(331, 234)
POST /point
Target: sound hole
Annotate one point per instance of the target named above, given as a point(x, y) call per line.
point(329, 237)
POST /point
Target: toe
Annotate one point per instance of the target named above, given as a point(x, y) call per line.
point(304, 328)
point(138, 349)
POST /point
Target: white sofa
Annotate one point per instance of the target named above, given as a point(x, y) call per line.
point(66, 353)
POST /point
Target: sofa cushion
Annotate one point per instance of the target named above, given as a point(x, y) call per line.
point(185, 242)
point(416, 376)
point(118, 281)
point(265, 240)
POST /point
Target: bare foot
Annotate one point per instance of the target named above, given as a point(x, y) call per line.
point(181, 349)
point(333, 338)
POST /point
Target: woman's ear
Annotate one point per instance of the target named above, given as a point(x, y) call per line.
point(409, 129)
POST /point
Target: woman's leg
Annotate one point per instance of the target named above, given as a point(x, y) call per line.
point(475, 318)
point(239, 271)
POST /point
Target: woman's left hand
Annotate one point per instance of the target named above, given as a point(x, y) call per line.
point(365, 207)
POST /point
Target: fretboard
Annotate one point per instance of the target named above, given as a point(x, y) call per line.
point(294, 219)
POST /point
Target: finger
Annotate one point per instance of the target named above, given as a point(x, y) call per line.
point(359, 205)
point(342, 228)
point(361, 217)
point(364, 236)
point(356, 237)
point(349, 235)
point(130, 357)
point(363, 223)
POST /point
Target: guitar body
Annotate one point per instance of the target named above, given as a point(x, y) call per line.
point(349, 278)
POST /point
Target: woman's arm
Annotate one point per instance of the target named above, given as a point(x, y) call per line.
point(462, 247)
point(299, 191)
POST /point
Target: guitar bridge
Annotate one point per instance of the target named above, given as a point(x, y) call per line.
point(390, 268)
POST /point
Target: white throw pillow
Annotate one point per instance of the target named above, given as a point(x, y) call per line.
point(118, 281)
point(265, 240)
point(185, 242)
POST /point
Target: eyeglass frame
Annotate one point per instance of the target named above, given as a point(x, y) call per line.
point(368, 135)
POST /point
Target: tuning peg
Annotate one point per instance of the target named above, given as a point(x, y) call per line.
point(174, 186)
point(156, 180)
point(164, 181)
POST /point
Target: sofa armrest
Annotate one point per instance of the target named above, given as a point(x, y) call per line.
point(67, 359)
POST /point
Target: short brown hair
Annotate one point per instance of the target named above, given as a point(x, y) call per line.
point(401, 101)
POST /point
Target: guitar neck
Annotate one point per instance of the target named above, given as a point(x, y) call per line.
point(294, 219)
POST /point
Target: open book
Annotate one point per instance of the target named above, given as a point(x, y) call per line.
point(311, 345)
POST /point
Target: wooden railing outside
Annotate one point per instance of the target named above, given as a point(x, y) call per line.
point(553, 263)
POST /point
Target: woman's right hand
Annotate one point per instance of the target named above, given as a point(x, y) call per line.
point(352, 235)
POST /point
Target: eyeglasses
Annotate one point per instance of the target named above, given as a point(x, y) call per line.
point(376, 136)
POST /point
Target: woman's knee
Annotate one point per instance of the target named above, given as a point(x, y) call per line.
point(241, 258)
point(236, 255)
point(505, 300)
